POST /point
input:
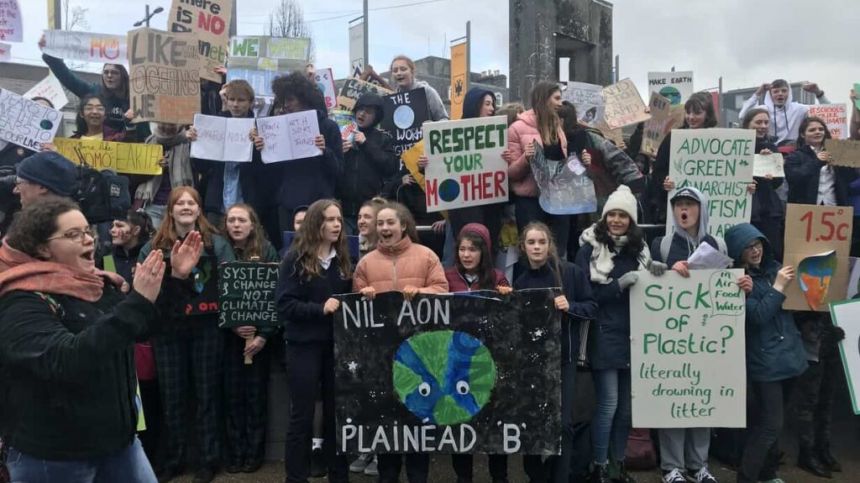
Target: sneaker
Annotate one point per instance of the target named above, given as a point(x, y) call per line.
point(674, 476)
point(361, 463)
point(318, 463)
point(703, 476)
point(371, 469)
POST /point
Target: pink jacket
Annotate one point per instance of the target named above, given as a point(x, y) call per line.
point(523, 132)
point(406, 263)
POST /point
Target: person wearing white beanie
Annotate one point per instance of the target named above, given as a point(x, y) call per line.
point(624, 200)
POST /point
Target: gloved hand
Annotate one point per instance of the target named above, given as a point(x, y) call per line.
point(657, 268)
point(627, 280)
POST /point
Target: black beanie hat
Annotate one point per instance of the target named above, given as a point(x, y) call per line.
point(51, 170)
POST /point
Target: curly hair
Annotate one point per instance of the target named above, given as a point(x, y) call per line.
point(36, 222)
point(309, 238)
point(256, 239)
point(635, 238)
point(299, 87)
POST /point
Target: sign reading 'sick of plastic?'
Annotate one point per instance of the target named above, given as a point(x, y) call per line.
point(465, 166)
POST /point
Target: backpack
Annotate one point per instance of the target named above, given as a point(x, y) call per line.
point(102, 195)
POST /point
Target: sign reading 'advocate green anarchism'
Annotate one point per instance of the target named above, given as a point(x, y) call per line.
point(465, 165)
point(719, 163)
point(687, 350)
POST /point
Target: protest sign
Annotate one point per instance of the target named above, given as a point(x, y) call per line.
point(11, 25)
point(125, 158)
point(772, 165)
point(404, 115)
point(459, 78)
point(465, 165)
point(664, 118)
point(354, 88)
point(687, 350)
point(719, 163)
point(623, 105)
point(222, 138)
point(5, 52)
point(289, 137)
point(26, 123)
point(455, 373)
point(325, 82)
point(259, 60)
point(210, 21)
point(165, 76)
point(86, 46)
point(51, 89)
point(588, 100)
point(246, 294)
point(811, 233)
point(835, 116)
point(564, 185)
point(410, 161)
point(845, 152)
point(675, 86)
point(346, 122)
point(846, 315)
point(356, 49)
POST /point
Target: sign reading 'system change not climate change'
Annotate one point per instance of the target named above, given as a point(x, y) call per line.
point(465, 165)
point(687, 350)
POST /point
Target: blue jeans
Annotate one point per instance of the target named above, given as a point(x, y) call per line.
point(610, 426)
point(127, 465)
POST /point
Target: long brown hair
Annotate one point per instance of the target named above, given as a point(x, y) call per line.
point(308, 239)
point(166, 235)
point(407, 221)
point(552, 250)
point(256, 241)
point(547, 119)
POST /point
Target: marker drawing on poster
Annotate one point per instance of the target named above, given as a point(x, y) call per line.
point(26, 123)
point(222, 139)
point(675, 86)
point(289, 136)
point(86, 46)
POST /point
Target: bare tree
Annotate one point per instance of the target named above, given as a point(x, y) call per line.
point(288, 20)
point(74, 18)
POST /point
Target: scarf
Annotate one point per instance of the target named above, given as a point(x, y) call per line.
point(178, 155)
point(603, 258)
point(19, 271)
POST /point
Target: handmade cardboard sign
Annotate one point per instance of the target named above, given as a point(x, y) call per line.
point(811, 234)
point(51, 89)
point(165, 76)
point(125, 158)
point(465, 166)
point(846, 315)
point(325, 82)
point(845, 152)
point(246, 294)
point(210, 20)
point(623, 105)
point(675, 86)
point(719, 163)
point(353, 89)
point(86, 46)
point(664, 118)
point(289, 136)
point(222, 138)
point(11, 23)
point(26, 123)
point(259, 60)
point(588, 100)
point(687, 350)
point(456, 373)
point(835, 116)
point(404, 115)
point(772, 165)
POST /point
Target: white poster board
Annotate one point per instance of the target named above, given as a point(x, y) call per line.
point(588, 100)
point(772, 165)
point(835, 116)
point(11, 23)
point(86, 46)
point(26, 123)
point(325, 82)
point(846, 315)
point(675, 86)
point(465, 165)
point(289, 137)
point(223, 138)
point(719, 163)
point(687, 350)
point(51, 89)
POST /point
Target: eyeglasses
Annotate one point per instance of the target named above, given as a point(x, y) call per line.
point(76, 235)
point(756, 246)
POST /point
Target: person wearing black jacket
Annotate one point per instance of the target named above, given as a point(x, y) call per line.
point(369, 160)
point(768, 210)
point(544, 269)
point(67, 382)
point(316, 267)
point(812, 179)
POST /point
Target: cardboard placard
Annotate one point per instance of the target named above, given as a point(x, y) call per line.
point(353, 89)
point(26, 123)
point(246, 294)
point(11, 23)
point(664, 118)
point(813, 230)
point(165, 76)
point(675, 86)
point(719, 163)
point(845, 152)
point(465, 166)
point(289, 136)
point(125, 158)
point(588, 100)
point(223, 138)
point(259, 60)
point(404, 116)
point(623, 105)
point(437, 374)
point(51, 89)
point(835, 116)
point(210, 21)
point(86, 46)
point(772, 165)
point(846, 315)
point(687, 350)
point(325, 82)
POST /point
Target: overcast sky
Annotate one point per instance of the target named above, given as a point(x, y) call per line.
point(744, 41)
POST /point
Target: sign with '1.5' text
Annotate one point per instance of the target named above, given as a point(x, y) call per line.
point(719, 163)
point(465, 165)
point(687, 350)
point(125, 158)
point(455, 373)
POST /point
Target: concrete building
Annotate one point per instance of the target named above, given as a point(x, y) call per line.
point(543, 31)
point(733, 100)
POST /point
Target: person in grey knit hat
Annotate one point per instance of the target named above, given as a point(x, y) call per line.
point(45, 173)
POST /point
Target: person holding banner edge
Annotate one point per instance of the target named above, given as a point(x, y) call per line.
point(246, 385)
point(544, 268)
point(317, 266)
